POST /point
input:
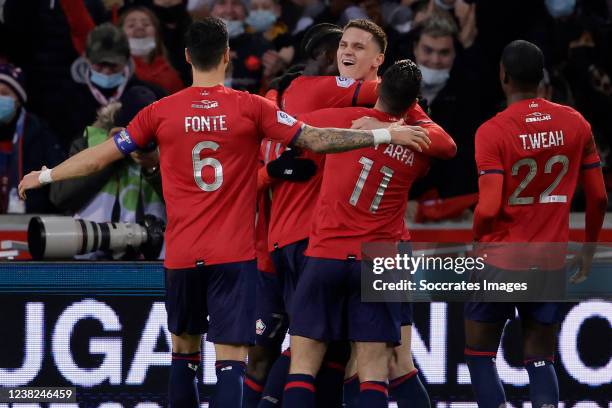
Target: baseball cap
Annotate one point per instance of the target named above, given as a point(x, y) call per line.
point(107, 43)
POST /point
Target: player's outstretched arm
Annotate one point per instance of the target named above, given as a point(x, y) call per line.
point(333, 140)
point(490, 190)
point(442, 145)
point(84, 163)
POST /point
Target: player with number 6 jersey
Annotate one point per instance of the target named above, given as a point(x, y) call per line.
point(209, 137)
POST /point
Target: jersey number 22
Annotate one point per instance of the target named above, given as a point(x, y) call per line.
point(545, 197)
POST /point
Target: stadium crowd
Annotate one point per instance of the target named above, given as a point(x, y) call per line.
point(58, 72)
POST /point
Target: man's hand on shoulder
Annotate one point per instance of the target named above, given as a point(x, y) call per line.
point(414, 137)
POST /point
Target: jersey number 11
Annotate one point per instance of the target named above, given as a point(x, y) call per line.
point(384, 183)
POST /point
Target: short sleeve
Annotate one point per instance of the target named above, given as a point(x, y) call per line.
point(142, 129)
point(488, 150)
point(275, 124)
point(590, 157)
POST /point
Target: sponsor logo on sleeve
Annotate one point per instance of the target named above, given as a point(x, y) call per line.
point(344, 82)
point(285, 118)
point(537, 117)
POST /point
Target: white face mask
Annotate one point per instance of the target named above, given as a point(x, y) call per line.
point(434, 77)
point(140, 47)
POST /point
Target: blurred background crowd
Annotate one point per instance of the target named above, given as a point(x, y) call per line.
point(70, 70)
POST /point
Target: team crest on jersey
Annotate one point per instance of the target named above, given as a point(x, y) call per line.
point(285, 119)
point(537, 117)
point(260, 327)
point(204, 104)
point(344, 82)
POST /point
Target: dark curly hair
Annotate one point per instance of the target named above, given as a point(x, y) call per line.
point(400, 87)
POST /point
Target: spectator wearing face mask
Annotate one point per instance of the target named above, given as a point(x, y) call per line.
point(142, 29)
point(247, 47)
point(263, 19)
point(26, 144)
point(450, 87)
point(128, 189)
point(144, 32)
point(102, 76)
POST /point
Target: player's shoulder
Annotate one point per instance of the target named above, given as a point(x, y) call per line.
point(351, 112)
point(327, 80)
point(491, 126)
point(566, 110)
point(246, 100)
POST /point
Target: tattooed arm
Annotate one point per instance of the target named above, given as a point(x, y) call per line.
point(333, 140)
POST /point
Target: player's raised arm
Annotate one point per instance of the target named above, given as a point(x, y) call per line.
point(442, 145)
point(332, 140)
point(84, 163)
point(97, 157)
point(398, 91)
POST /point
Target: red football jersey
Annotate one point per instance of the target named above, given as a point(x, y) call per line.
point(293, 203)
point(539, 147)
point(209, 139)
point(364, 192)
point(310, 93)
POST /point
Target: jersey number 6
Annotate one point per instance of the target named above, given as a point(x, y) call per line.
point(198, 165)
point(545, 197)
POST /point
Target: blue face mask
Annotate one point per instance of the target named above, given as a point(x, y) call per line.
point(107, 81)
point(7, 108)
point(261, 20)
point(560, 8)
